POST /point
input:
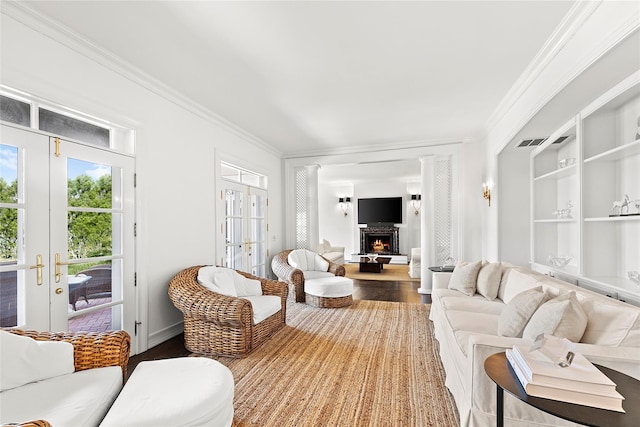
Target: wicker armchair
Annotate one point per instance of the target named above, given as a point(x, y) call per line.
point(90, 350)
point(294, 276)
point(220, 325)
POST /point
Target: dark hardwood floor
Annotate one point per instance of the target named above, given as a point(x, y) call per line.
point(397, 291)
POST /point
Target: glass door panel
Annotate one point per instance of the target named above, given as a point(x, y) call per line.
point(24, 229)
point(92, 239)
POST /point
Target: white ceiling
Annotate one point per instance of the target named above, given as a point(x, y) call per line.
point(325, 76)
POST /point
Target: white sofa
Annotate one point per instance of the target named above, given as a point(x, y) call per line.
point(466, 326)
point(330, 252)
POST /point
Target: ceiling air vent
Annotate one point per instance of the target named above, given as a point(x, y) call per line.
point(560, 140)
point(531, 142)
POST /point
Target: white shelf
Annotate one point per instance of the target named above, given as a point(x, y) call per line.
point(613, 218)
point(618, 153)
point(558, 173)
point(554, 220)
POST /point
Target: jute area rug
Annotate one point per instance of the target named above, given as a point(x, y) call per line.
point(372, 364)
point(397, 272)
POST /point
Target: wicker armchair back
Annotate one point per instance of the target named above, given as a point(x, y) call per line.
point(294, 276)
point(220, 325)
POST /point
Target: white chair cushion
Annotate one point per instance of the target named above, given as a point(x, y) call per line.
point(25, 360)
point(217, 279)
point(305, 259)
point(313, 274)
point(78, 399)
point(227, 281)
point(264, 306)
point(246, 287)
point(331, 287)
point(186, 391)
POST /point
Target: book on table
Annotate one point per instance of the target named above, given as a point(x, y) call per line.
point(580, 383)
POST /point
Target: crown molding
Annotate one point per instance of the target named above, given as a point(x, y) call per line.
point(378, 147)
point(65, 36)
point(564, 32)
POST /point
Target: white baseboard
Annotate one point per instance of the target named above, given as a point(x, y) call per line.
point(165, 334)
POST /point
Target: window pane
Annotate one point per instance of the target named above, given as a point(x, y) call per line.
point(8, 234)
point(89, 234)
point(70, 127)
point(8, 174)
point(8, 299)
point(14, 111)
point(90, 285)
point(233, 203)
point(89, 184)
point(234, 257)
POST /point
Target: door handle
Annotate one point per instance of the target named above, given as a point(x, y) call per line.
point(39, 266)
point(58, 264)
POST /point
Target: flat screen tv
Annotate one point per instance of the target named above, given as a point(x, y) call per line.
point(380, 210)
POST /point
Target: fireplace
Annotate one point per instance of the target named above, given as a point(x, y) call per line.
point(379, 240)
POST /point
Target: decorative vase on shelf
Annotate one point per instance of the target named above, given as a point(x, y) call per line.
point(559, 261)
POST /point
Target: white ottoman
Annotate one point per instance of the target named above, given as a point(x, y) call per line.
point(329, 292)
point(187, 391)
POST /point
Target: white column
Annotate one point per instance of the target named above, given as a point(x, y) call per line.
point(313, 222)
point(426, 223)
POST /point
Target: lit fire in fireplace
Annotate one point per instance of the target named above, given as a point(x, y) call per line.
point(379, 246)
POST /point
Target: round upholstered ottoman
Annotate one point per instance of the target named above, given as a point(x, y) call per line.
point(329, 292)
point(187, 391)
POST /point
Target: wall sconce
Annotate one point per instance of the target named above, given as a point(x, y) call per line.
point(344, 204)
point(486, 192)
point(415, 202)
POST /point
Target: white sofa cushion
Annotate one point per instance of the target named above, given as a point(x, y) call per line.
point(610, 325)
point(488, 281)
point(465, 323)
point(475, 304)
point(331, 287)
point(78, 399)
point(187, 391)
point(313, 274)
point(264, 306)
point(518, 311)
point(516, 283)
point(305, 259)
point(24, 360)
point(561, 316)
point(464, 277)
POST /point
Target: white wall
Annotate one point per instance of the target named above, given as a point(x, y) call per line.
point(177, 148)
point(586, 40)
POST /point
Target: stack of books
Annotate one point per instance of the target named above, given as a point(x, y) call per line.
point(580, 383)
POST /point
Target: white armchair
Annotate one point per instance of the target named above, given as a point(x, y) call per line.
point(332, 253)
point(414, 264)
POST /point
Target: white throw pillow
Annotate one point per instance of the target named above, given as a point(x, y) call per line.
point(464, 277)
point(562, 316)
point(517, 312)
point(218, 279)
point(517, 282)
point(25, 360)
point(488, 280)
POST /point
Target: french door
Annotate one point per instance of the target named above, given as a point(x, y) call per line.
point(245, 228)
point(67, 234)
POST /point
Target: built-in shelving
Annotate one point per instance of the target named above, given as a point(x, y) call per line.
point(604, 139)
